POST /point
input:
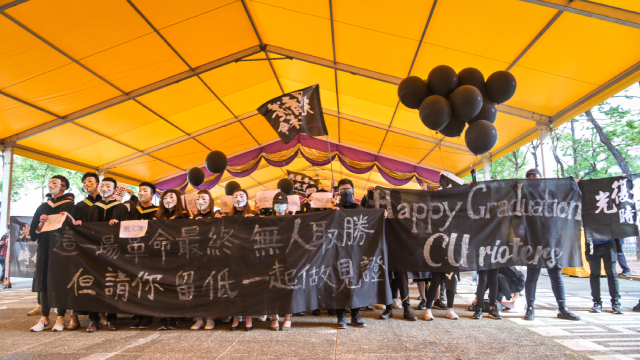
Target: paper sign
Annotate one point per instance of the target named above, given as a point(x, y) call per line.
point(264, 199)
point(133, 228)
point(321, 200)
point(189, 201)
point(294, 203)
point(120, 191)
point(226, 203)
point(54, 222)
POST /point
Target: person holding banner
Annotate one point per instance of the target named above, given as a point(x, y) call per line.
point(90, 183)
point(204, 204)
point(280, 202)
point(487, 279)
point(59, 203)
point(305, 204)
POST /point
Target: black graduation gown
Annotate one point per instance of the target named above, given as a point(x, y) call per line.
point(64, 203)
point(143, 213)
point(107, 211)
point(184, 215)
point(207, 215)
point(81, 209)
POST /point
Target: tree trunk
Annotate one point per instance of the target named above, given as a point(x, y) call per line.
point(554, 151)
point(533, 150)
point(622, 163)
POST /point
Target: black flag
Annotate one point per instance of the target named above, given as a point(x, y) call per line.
point(296, 112)
point(301, 181)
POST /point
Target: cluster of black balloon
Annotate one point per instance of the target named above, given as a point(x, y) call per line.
point(216, 163)
point(447, 101)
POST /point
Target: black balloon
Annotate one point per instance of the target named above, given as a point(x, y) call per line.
point(488, 111)
point(471, 76)
point(411, 91)
point(481, 137)
point(466, 102)
point(454, 127)
point(442, 80)
point(435, 112)
point(500, 86)
point(286, 186)
point(195, 176)
point(231, 187)
point(216, 162)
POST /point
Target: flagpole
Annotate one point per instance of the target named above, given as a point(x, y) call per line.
point(330, 163)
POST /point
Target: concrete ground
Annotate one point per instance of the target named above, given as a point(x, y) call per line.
point(598, 336)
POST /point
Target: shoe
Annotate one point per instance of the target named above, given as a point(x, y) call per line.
point(40, 325)
point(199, 323)
point(146, 322)
point(285, 328)
point(367, 308)
point(625, 273)
point(428, 315)
point(210, 324)
point(388, 313)
point(300, 314)
point(164, 324)
point(422, 305)
point(235, 328)
point(637, 307)
point(35, 312)
point(616, 309)
point(440, 305)
point(136, 323)
point(262, 318)
point(342, 323)
point(397, 304)
point(567, 315)
point(74, 324)
point(597, 308)
point(172, 324)
point(111, 325)
point(494, 313)
point(331, 312)
point(530, 314)
point(452, 314)
point(477, 313)
point(227, 319)
point(59, 325)
point(316, 312)
point(472, 307)
point(103, 320)
point(93, 326)
point(357, 322)
point(248, 328)
point(408, 315)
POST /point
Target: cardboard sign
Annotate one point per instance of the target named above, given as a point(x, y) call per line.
point(189, 201)
point(226, 203)
point(264, 199)
point(120, 191)
point(133, 228)
point(54, 222)
point(321, 200)
point(294, 203)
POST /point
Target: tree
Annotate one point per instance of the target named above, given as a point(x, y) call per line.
point(510, 166)
point(622, 163)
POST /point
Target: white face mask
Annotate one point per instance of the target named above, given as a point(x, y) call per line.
point(55, 186)
point(90, 184)
point(239, 199)
point(170, 200)
point(202, 202)
point(144, 193)
point(106, 189)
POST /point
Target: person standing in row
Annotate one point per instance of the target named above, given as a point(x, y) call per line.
point(204, 206)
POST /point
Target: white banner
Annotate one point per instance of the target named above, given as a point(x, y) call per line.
point(133, 228)
point(120, 191)
point(264, 199)
point(54, 222)
point(294, 203)
point(321, 200)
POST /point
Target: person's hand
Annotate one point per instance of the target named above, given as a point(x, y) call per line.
point(43, 219)
point(623, 175)
point(249, 215)
point(370, 188)
point(515, 296)
point(130, 192)
point(218, 216)
point(78, 222)
point(1, 243)
point(257, 207)
point(468, 183)
point(113, 222)
point(333, 201)
point(577, 180)
point(385, 214)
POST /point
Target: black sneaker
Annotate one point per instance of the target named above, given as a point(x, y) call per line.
point(408, 315)
point(388, 313)
point(440, 305)
point(478, 313)
point(567, 315)
point(136, 323)
point(172, 324)
point(331, 312)
point(367, 308)
point(300, 314)
point(146, 322)
point(342, 323)
point(423, 305)
point(164, 324)
point(317, 312)
point(637, 307)
point(494, 314)
point(357, 322)
point(597, 308)
point(616, 309)
point(530, 314)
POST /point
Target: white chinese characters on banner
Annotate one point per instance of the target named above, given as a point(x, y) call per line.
point(290, 110)
point(621, 200)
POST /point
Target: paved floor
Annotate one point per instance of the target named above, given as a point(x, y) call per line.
point(598, 336)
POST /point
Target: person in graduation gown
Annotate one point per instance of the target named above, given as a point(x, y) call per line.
point(170, 208)
point(280, 202)
point(58, 203)
point(90, 183)
point(305, 204)
point(111, 210)
point(204, 206)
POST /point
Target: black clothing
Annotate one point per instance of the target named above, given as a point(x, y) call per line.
point(555, 276)
point(352, 206)
point(398, 281)
point(207, 215)
point(143, 213)
point(450, 282)
point(107, 211)
point(607, 253)
point(81, 209)
point(172, 215)
point(487, 279)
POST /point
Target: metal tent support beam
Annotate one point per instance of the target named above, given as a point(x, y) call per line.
point(594, 10)
point(7, 182)
point(486, 166)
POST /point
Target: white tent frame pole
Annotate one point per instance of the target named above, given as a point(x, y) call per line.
point(7, 182)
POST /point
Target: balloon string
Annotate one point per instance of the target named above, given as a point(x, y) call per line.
point(330, 163)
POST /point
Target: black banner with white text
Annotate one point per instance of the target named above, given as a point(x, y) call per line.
point(22, 250)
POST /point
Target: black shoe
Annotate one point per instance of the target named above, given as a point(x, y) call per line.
point(597, 308)
point(248, 328)
point(637, 307)
point(146, 322)
point(136, 323)
point(440, 305)
point(494, 313)
point(567, 315)
point(408, 315)
point(342, 323)
point(164, 324)
point(388, 313)
point(357, 322)
point(331, 312)
point(172, 324)
point(235, 328)
point(316, 312)
point(367, 308)
point(616, 309)
point(478, 313)
point(422, 305)
point(300, 314)
point(530, 314)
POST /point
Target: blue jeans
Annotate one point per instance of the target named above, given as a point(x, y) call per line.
point(608, 254)
point(555, 276)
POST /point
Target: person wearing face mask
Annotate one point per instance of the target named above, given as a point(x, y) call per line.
point(59, 203)
point(305, 204)
point(280, 202)
point(204, 204)
point(90, 183)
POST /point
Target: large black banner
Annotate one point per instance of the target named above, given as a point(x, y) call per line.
point(22, 262)
point(611, 207)
point(223, 267)
point(484, 226)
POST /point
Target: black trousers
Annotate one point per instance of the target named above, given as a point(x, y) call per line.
point(608, 254)
point(557, 285)
point(46, 307)
point(487, 279)
point(400, 282)
point(438, 279)
point(342, 313)
point(94, 316)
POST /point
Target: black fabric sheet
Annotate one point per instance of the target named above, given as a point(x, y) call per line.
point(223, 267)
point(489, 225)
point(23, 250)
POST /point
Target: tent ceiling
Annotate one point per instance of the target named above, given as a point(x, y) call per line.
point(146, 88)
